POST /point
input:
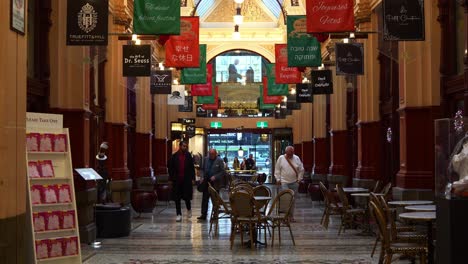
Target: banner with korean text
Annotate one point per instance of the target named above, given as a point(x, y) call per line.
point(182, 51)
point(283, 73)
point(303, 49)
point(207, 88)
point(195, 75)
point(156, 17)
point(330, 15)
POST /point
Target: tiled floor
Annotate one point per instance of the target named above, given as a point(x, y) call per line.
point(158, 238)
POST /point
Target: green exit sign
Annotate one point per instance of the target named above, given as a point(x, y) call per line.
point(262, 124)
point(216, 125)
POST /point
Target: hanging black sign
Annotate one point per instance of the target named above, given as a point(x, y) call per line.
point(200, 111)
point(403, 20)
point(136, 60)
point(87, 22)
point(190, 130)
point(161, 82)
point(187, 106)
point(292, 104)
point(322, 82)
point(304, 93)
point(349, 58)
point(187, 121)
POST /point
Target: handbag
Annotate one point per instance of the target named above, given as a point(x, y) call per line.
point(203, 186)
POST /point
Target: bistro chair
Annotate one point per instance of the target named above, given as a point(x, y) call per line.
point(219, 210)
point(348, 214)
point(280, 212)
point(331, 206)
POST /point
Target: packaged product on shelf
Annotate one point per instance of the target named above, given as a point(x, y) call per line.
point(55, 247)
point(32, 141)
point(42, 249)
point(47, 170)
point(53, 220)
point(70, 246)
point(64, 193)
point(60, 143)
point(68, 219)
point(33, 171)
point(36, 194)
point(39, 222)
point(45, 144)
point(49, 194)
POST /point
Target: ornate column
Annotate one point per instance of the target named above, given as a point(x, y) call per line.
point(368, 106)
point(321, 161)
point(306, 125)
point(13, 73)
point(161, 135)
point(419, 106)
point(339, 162)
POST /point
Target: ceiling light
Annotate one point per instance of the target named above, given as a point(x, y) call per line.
point(293, 91)
point(345, 40)
point(239, 1)
point(240, 152)
point(238, 18)
point(351, 35)
point(236, 33)
point(134, 37)
point(137, 42)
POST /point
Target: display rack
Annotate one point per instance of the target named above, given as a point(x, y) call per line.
point(52, 201)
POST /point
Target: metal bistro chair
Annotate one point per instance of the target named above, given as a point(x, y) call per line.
point(331, 206)
point(348, 214)
point(280, 212)
point(219, 210)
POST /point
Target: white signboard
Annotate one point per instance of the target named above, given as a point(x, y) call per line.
point(41, 120)
point(88, 174)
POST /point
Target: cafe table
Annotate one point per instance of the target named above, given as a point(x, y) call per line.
point(421, 208)
point(427, 217)
point(409, 202)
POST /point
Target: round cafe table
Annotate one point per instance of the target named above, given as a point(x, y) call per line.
point(427, 217)
point(410, 202)
point(355, 190)
point(421, 208)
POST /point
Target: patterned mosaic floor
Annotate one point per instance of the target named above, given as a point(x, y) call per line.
point(158, 238)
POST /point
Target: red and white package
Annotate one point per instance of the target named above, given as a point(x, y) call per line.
point(36, 194)
point(68, 219)
point(70, 246)
point(64, 194)
point(55, 247)
point(32, 141)
point(49, 194)
point(45, 144)
point(47, 170)
point(39, 222)
point(42, 249)
point(33, 171)
point(52, 220)
point(60, 143)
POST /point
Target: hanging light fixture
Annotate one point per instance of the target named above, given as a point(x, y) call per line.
point(240, 152)
point(239, 1)
point(236, 33)
point(238, 18)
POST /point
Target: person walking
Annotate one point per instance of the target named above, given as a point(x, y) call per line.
point(232, 70)
point(213, 173)
point(236, 164)
point(289, 170)
point(182, 178)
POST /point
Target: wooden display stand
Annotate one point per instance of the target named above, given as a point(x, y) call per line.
point(51, 196)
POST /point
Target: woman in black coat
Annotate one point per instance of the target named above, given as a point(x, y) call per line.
point(182, 181)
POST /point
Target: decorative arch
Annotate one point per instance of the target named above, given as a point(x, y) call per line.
point(261, 50)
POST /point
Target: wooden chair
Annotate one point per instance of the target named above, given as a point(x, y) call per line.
point(219, 210)
point(377, 187)
point(389, 248)
point(279, 213)
point(348, 214)
point(331, 206)
point(262, 190)
point(386, 190)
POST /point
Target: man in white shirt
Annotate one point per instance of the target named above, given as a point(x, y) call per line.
point(289, 170)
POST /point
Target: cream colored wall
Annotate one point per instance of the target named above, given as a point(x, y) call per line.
point(143, 104)
point(13, 73)
point(296, 127)
point(161, 116)
point(419, 63)
point(338, 103)
point(68, 64)
point(319, 113)
point(305, 123)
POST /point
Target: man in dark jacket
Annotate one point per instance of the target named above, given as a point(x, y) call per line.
point(182, 177)
point(214, 173)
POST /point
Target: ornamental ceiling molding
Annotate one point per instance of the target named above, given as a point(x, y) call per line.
point(122, 13)
point(251, 10)
point(363, 11)
point(265, 51)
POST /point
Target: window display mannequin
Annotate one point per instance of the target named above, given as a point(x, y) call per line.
point(459, 164)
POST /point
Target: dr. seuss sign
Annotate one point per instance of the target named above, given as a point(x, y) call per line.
point(136, 60)
point(87, 22)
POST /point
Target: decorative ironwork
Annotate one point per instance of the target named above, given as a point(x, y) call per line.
point(458, 121)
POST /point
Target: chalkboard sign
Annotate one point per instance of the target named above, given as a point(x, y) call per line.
point(322, 82)
point(349, 58)
point(403, 20)
point(304, 93)
point(161, 82)
point(136, 60)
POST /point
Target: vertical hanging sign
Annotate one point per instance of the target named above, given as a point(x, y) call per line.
point(269, 99)
point(195, 75)
point(283, 73)
point(274, 88)
point(322, 82)
point(330, 15)
point(349, 58)
point(183, 51)
point(156, 17)
point(204, 89)
point(136, 60)
point(403, 20)
point(303, 49)
point(87, 22)
point(177, 95)
point(304, 93)
point(161, 82)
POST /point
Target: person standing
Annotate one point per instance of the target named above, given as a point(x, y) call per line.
point(236, 164)
point(214, 172)
point(250, 163)
point(289, 170)
point(232, 70)
point(182, 178)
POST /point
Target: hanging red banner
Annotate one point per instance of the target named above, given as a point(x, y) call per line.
point(214, 106)
point(269, 99)
point(330, 15)
point(207, 88)
point(283, 73)
point(182, 51)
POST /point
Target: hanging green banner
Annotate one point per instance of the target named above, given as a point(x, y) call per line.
point(273, 87)
point(156, 17)
point(208, 99)
point(303, 49)
point(195, 75)
point(261, 103)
